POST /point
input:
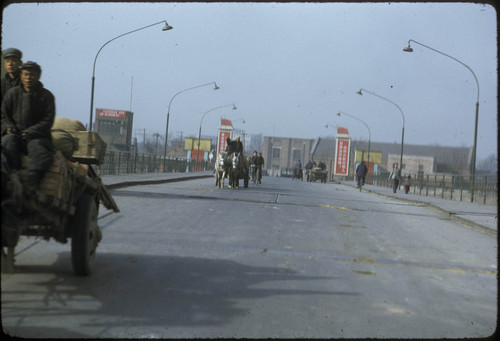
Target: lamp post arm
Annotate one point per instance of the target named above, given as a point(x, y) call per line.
point(121, 35)
point(203, 116)
point(366, 125)
point(168, 116)
point(180, 92)
point(455, 59)
point(388, 100)
point(95, 60)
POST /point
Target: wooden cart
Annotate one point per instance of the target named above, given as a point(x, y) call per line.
point(65, 205)
point(316, 174)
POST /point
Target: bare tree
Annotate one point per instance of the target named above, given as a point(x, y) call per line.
point(488, 164)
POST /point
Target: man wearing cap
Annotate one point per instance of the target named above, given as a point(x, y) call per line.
point(12, 62)
point(28, 112)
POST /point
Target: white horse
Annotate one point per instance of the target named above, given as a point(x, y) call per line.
point(221, 169)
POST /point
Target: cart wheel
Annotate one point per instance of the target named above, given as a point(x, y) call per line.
point(85, 235)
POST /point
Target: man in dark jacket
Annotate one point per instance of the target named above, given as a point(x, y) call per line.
point(239, 146)
point(361, 171)
point(259, 163)
point(28, 112)
point(230, 146)
point(12, 62)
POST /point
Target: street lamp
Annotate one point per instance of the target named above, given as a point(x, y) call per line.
point(168, 115)
point(409, 49)
point(360, 92)
point(165, 28)
point(369, 132)
point(203, 116)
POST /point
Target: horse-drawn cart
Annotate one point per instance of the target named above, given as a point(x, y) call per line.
point(316, 174)
point(64, 206)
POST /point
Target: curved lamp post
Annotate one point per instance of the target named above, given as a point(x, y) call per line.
point(360, 92)
point(168, 115)
point(203, 116)
point(165, 28)
point(369, 132)
point(409, 49)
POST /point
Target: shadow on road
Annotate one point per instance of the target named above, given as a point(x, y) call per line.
point(127, 290)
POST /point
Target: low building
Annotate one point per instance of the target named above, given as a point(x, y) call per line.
point(280, 153)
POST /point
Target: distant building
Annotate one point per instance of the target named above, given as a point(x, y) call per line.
point(115, 128)
point(281, 152)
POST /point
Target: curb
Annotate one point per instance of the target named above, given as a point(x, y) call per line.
point(154, 182)
point(477, 227)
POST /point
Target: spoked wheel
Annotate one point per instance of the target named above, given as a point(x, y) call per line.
point(86, 235)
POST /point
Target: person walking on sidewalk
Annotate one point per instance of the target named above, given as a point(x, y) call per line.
point(395, 176)
point(407, 184)
point(361, 171)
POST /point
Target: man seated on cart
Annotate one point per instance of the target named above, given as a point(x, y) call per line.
point(28, 112)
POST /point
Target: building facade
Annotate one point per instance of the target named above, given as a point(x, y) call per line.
point(115, 128)
point(281, 153)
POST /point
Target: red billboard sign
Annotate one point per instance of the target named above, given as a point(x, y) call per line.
point(111, 113)
point(342, 157)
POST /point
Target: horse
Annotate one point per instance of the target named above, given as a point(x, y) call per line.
point(221, 170)
point(239, 170)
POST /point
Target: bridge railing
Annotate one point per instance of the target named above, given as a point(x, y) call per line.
point(454, 187)
point(126, 163)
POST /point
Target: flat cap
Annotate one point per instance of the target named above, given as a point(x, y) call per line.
point(13, 52)
point(31, 65)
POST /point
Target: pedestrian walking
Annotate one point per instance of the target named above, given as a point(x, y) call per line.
point(361, 171)
point(395, 176)
point(407, 184)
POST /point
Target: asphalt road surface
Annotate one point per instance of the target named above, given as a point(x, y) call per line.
point(286, 259)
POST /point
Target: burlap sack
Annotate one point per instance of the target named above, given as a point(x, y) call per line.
point(64, 142)
point(67, 124)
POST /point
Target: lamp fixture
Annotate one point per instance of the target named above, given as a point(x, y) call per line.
point(408, 48)
point(166, 27)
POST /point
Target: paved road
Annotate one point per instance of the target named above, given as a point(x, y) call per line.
point(286, 259)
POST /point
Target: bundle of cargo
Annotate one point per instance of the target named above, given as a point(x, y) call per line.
point(55, 186)
point(72, 139)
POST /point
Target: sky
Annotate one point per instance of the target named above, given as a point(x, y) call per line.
point(288, 67)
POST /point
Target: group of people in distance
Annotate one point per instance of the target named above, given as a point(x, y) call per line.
point(257, 160)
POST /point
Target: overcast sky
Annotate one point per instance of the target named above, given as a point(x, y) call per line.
point(288, 67)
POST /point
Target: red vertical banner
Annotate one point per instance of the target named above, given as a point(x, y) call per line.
point(221, 143)
point(342, 157)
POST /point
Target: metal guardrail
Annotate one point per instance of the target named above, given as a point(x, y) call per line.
point(129, 163)
point(454, 187)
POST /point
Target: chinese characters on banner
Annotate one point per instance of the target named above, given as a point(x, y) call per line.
point(111, 113)
point(223, 135)
point(342, 157)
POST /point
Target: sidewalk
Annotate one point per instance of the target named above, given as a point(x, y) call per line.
point(482, 217)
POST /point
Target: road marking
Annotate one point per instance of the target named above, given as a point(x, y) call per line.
point(336, 207)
